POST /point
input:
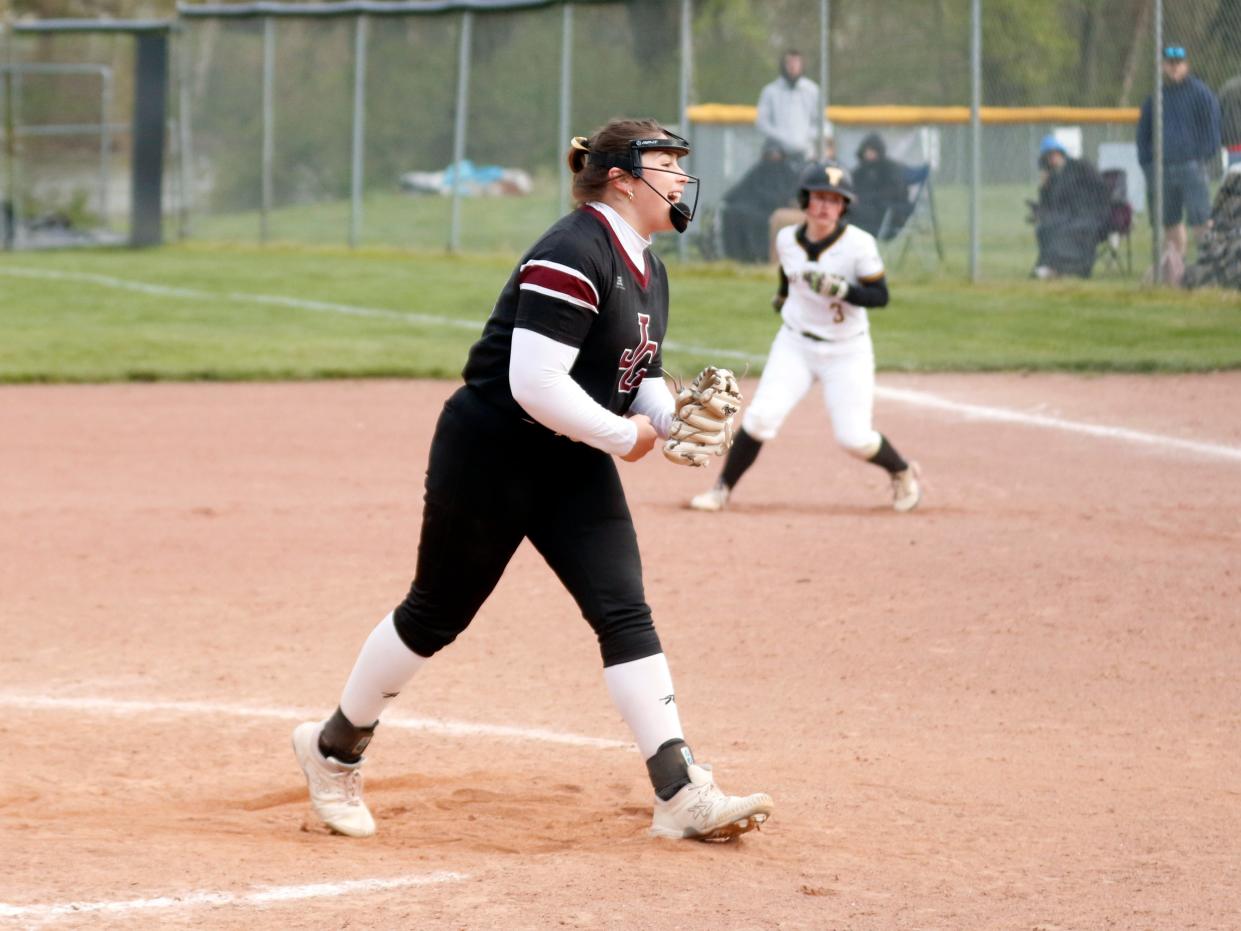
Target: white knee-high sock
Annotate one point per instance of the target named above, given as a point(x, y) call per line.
point(384, 666)
point(642, 692)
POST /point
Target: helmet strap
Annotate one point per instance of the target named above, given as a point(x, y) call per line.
point(678, 214)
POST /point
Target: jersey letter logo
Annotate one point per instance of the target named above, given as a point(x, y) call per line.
point(633, 361)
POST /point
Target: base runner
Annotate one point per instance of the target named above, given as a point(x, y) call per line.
point(830, 273)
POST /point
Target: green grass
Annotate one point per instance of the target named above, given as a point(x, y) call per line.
point(406, 221)
point(509, 224)
point(85, 331)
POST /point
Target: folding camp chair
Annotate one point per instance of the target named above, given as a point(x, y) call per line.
point(915, 224)
point(1118, 226)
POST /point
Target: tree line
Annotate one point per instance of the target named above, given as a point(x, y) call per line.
point(1066, 52)
point(626, 59)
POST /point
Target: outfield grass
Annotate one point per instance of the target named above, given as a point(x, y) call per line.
point(509, 224)
point(69, 327)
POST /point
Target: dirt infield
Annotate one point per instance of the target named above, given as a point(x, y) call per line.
point(1017, 708)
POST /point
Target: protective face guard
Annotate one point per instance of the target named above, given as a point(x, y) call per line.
point(632, 163)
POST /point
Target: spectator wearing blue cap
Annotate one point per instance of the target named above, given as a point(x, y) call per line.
point(1191, 143)
point(1071, 213)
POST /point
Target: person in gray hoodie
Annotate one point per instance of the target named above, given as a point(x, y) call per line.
point(788, 111)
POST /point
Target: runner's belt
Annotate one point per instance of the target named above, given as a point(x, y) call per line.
point(817, 338)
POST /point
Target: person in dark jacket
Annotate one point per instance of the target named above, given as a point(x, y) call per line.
point(770, 183)
point(879, 183)
point(1071, 213)
point(1219, 252)
point(1191, 142)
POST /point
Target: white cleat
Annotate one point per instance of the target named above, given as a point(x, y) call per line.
point(713, 499)
point(700, 811)
point(335, 787)
point(906, 490)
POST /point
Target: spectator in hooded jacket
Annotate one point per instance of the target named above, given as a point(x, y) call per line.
point(788, 111)
point(1071, 213)
point(771, 183)
point(879, 183)
point(1219, 252)
point(1191, 142)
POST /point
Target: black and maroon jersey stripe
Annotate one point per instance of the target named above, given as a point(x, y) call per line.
point(559, 281)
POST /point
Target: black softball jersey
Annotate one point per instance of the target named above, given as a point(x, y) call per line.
point(496, 477)
point(578, 286)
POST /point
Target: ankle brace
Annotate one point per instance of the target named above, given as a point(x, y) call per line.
point(669, 768)
point(343, 740)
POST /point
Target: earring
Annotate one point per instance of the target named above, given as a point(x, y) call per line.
point(630, 193)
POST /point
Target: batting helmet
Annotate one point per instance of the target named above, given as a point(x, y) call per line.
point(824, 176)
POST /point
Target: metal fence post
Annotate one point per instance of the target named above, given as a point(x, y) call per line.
point(105, 143)
point(458, 134)
point(359, 128)
point(269, 128)
point(566, 97)
point(8, 208)
point(1157, 144)
point(16, 207)
point(975, 134)
point(825, 15)
point(686, 81)
point(186, 160)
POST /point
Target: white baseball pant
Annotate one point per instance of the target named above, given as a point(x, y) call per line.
point(845, 369)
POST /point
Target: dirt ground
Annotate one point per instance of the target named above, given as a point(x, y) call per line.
point(1018, 707)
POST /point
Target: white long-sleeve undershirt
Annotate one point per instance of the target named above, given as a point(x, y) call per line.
point(656, 401)
point(538, 375)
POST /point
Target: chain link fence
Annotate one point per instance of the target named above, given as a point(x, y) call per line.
point(444, 125)
point(62, 134)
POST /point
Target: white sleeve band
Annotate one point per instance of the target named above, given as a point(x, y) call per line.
point(538, 375)
point(656, 401)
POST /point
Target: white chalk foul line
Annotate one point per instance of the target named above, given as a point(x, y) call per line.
point(278, 300)
point(915, 398)
point(979, 412)
point(132, 708)
point(260, 897)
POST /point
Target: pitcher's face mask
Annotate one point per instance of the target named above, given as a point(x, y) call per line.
point(631, 161)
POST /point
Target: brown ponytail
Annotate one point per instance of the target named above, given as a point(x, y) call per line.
point(590, 181)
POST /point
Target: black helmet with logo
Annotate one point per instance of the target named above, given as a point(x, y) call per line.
point(824, 176)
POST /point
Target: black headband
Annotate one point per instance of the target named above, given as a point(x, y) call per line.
point(631, 161)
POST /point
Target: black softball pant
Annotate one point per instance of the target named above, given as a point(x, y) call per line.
point(494, 480)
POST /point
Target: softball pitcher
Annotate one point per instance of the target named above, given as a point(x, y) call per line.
point(830, 272)
point(566, 375)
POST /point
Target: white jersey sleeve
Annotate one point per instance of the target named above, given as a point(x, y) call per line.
point(868, 267)
point(540, 381)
